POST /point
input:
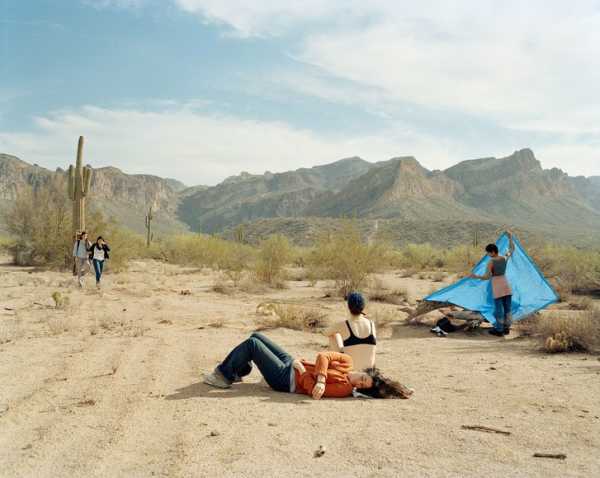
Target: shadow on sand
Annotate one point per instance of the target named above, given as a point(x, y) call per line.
point(241, 390)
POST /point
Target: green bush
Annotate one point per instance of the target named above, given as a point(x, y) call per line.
point(344, 257)
point(40, 223)
point(202, 250)
point(274, 254)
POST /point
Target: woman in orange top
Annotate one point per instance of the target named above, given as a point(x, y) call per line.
point(330, 376)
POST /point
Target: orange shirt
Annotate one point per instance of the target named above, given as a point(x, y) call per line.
point(334, 366)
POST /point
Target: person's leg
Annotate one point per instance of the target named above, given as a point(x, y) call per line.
point(275, 372)
point(273, 347)
point(96, 264)
point(507, 304)
point(80, 271)
point(499, 316)
point(101, 264)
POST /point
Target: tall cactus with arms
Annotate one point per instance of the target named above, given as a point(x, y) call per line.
point(80, 181)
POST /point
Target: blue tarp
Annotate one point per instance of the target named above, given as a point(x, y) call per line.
point(531, 290)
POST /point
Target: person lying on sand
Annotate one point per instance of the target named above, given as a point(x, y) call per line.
point(355, 336)
point(330, 376)
point(501, 289)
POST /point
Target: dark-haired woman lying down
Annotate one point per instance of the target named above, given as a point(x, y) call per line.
point(330, 376)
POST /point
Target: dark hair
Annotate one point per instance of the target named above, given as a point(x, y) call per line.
point(99, 237)
point(384, 387)
point(356, 303)
point(82, 233)
point(492, 248)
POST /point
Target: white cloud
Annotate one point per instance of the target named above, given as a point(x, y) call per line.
point(201, 148)
point(517, 63)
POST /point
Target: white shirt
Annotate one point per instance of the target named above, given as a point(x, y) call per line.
point(98, 253)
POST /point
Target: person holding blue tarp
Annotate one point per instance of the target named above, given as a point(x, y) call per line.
point(501, 290)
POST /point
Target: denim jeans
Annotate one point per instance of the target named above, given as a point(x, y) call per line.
point(98, 267)
point(274, 363)
point(502, 312)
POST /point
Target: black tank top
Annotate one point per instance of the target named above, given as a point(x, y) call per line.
point(354, 340)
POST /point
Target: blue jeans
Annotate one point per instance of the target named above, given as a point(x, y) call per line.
point(98, 267)
point(502, 312)
point(274, 363)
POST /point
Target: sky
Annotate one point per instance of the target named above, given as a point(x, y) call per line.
point(199, 90)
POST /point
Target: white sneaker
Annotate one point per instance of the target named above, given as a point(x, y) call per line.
point(216, 379)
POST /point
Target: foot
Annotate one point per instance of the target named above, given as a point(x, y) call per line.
point(506, 331)
point(496, 332)
point(237, 379)
point(216, 379)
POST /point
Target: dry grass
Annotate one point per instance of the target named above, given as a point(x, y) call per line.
point(438, 276)
point(384, 318)
point(291, 317)
point(379, 292)
point(222, 287)
point(567, 332)
point(10, 330)
point(217, 324)
point(59, 325)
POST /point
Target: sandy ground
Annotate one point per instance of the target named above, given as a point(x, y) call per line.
point(111, 386)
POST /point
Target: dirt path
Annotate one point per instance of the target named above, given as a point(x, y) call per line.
point(119, 393)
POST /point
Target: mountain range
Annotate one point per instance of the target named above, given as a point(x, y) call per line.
point(397, 197)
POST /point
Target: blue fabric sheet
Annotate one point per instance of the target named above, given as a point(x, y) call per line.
point(531, 290)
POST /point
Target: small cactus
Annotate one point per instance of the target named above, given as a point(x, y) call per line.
point(149, 235)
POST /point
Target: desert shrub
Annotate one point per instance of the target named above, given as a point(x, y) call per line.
point(347, 259)
point(60, 301)
point(383, 318)
point(573, 332)
point(202, 250)
point(438, 276)
point(569, 267)
point(293, 317)
point(40, 222)
point(379, 292)
point(462, 258)
point(274, 253)
point(58, 325)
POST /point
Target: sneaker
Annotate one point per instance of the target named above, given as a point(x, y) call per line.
point(496, 332)
point(237, 379)
point(439, 332)
point(216, 379)
point(506, 331)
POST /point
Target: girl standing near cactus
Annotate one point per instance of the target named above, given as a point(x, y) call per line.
point(98, 254)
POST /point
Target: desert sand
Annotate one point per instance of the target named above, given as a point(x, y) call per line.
point(111, 386)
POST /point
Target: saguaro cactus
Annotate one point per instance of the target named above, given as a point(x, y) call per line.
point(80, 180)
point(476, 238)
point(149, 217)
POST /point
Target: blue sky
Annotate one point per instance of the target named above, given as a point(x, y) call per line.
point(203, 89)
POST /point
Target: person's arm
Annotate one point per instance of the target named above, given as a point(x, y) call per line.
point(106, 248)
point(339, 342)
point(487, 274)
point(511, 245)
point(325, 361)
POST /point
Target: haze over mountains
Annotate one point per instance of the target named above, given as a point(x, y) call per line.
point(399, 197)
